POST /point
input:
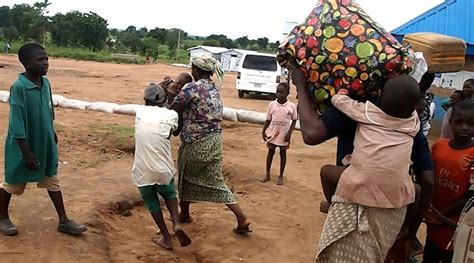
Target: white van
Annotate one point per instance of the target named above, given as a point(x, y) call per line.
point(258, 73)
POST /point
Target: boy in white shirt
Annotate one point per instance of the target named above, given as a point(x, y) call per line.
point(153, 167)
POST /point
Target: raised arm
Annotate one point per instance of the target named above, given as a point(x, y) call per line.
point(313, 129)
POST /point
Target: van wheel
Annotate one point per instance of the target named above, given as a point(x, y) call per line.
point(241, 93)
point(272, 96)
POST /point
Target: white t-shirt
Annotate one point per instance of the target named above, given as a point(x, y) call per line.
point(153, 162)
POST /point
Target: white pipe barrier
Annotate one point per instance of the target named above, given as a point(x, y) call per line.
point(229, 114)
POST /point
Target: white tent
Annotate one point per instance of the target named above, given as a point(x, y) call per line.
point(199, 50)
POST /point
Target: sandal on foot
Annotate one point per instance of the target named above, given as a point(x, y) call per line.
point(160, 242)
point(8, 228)
point(184, 240)
point(72, 228)
point(243, 230)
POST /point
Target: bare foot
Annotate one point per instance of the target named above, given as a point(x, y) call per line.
point(265, 179)
point(184, 240)
point(280, 180)
point(162, 243)
point(243, 229)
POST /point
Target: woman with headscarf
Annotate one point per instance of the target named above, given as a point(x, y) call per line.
point(200, 156)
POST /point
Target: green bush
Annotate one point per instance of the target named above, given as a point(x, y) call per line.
point(165, 55)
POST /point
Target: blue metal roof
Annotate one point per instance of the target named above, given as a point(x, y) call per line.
point(453, 17)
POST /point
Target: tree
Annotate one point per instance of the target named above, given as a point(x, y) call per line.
point(159, 34)
point(25, 19)
point(10, 33)
point(80, 29)
point(41, 23)
point(275, 45)
point(130, 40)
point(173, 35)
point(224, 41)
point(5, 17)
point(243, 42)
point(150, 47)
point(131, 29)
point(262, 42)
point(113, 32)
point(211, 43)
point(143, 32)
point(93, 31)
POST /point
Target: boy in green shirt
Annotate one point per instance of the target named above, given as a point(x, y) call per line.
point(31, 153)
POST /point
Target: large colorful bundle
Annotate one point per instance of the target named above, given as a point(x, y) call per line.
point(340, 47)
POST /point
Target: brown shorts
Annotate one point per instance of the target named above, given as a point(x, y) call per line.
point(50, 183)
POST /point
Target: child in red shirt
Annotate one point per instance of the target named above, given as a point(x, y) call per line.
point(452, 160)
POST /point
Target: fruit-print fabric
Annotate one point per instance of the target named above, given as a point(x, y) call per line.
point(340, 47)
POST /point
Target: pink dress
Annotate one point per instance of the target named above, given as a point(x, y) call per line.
point(280, 117)
point(378, 175)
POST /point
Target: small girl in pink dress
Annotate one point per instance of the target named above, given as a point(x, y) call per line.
point(281, 121)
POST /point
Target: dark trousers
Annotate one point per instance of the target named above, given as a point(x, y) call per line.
point(434, 254)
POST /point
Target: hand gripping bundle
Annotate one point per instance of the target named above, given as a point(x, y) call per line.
point(340, 47)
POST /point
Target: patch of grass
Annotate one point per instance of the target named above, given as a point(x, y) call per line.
point(165, 55)
point(117, 136)
point(81, 54)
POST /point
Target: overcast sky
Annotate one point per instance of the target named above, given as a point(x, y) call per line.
point(255, 18)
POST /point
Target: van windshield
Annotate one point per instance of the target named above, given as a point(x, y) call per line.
point(263, 63)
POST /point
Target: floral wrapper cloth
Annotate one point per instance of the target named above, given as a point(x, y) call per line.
point(340, 47)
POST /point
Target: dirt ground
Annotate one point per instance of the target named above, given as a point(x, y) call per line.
point(96, 158)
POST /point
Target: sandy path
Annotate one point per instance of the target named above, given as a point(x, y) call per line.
point(285, 220)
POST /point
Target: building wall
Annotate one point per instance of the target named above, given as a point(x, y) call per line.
point(228, 62)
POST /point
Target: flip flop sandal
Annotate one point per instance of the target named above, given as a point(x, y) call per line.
point(184, 240)
point(72, 228)
point(8, 228)
point(160, 243)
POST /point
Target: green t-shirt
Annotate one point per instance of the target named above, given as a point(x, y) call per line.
point(31, 118)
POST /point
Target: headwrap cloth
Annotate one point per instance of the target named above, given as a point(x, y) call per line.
point(208, 63)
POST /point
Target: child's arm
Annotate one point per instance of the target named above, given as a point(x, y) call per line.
point(437, 215)
point(267, 121)
point(459, 205)
point(290, 131)
point(17, 128)
point(454, 207)
point(30, 159)
point(352, 108)
point(265, 127)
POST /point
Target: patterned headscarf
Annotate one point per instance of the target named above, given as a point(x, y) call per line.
point(207, 63)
